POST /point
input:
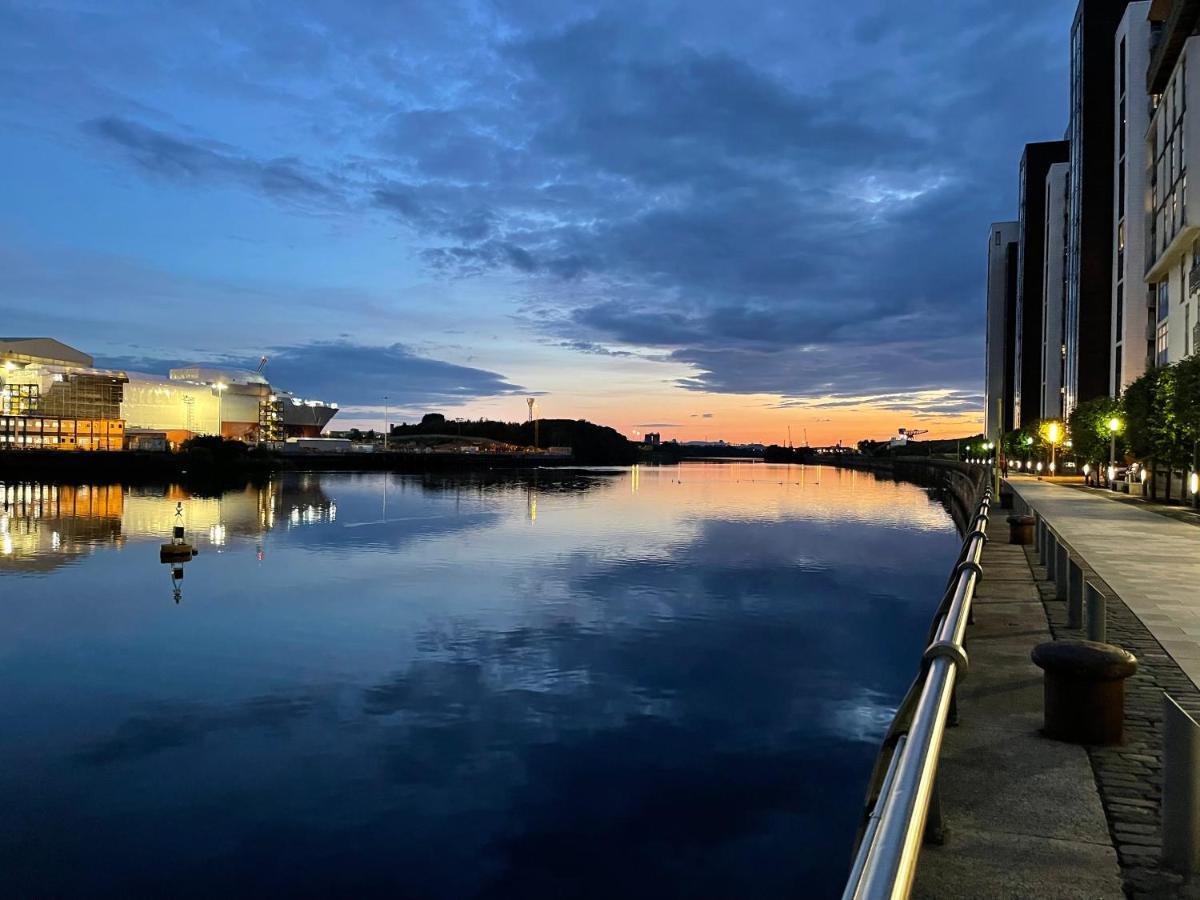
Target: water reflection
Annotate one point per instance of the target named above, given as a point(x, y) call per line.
point(670, 685)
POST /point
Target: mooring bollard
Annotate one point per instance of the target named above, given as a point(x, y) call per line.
point(1084, 689)
point(1074, 595)
point(1180, 797)
point(1020, 529)
point(1097, 614)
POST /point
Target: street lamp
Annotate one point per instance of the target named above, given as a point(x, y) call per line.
point(1114, 425)
point(1053, 432)
point(220, 387)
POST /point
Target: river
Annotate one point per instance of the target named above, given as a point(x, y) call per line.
point(647, 682)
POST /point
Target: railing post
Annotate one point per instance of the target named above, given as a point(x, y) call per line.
point(935, 825)
point(1180, 797)
point(1074, 595)
point(1051, 556)
point(1062, 562)
point(1040, 530)
point(1097, 614)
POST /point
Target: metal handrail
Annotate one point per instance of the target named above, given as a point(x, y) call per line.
point(885, 859)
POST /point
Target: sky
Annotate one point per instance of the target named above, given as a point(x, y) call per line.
point(702, 218)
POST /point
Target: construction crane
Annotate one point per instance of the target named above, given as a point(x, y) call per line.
point(913, 435)
point(262, 364)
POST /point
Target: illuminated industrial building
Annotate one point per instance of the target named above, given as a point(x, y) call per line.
point(52, 398)
point(234, 403)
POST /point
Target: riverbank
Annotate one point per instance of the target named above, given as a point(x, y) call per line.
point(135, 467)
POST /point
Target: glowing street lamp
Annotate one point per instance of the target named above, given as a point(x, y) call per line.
point(1054, 433)
point(221, 387)
point(1114, 425)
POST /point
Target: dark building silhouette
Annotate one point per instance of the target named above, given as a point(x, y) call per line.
point(1088, 320)
point(1031, 247)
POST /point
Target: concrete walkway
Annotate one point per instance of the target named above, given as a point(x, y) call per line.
point(1022, 813)
point(1150, 561)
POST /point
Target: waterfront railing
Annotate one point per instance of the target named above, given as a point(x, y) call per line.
point(902, 807)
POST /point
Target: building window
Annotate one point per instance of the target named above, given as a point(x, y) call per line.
point(1122, 91)
point(1161, 344)
point(1121, 151)
point(1120, 309)
point(1121, 189)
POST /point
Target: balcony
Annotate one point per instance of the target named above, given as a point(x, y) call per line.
point(1175, 32)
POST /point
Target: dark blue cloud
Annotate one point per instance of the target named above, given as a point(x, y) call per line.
point(351, 374)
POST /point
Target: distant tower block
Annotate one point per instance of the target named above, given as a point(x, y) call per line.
point(532, 401)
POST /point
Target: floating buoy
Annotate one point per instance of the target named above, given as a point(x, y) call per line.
point(172, 552)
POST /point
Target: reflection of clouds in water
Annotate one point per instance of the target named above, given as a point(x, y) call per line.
point(864, 718)
point(620, 698)
point(169, 726)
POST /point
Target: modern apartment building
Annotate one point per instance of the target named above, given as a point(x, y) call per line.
point(1131, 336)
point(1054, 290)
point(1092, 136)
point(1172, 235)
point(1031, 254)
point(1001, 333)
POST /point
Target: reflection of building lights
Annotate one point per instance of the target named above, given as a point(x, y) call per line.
point(55, 540)
point(6, 544)
point(216, 534)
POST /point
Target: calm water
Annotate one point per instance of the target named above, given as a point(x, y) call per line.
point(647, 683)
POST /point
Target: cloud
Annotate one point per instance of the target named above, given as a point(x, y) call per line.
point(668, 181)
point(351, 374)
point(658, 425)
point(202, 163)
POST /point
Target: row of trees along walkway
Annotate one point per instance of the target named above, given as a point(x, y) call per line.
point(1158, 425)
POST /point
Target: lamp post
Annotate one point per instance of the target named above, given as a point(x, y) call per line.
point(385, 422)
point(220, 387)
point(1114, 425)
point(1053, 433)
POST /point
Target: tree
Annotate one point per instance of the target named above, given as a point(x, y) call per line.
point(1186, 406)
point(1139, 403)
point(1090, 434)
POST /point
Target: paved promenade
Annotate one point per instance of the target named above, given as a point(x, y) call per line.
point(1150, 561)
point(1022, 813)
